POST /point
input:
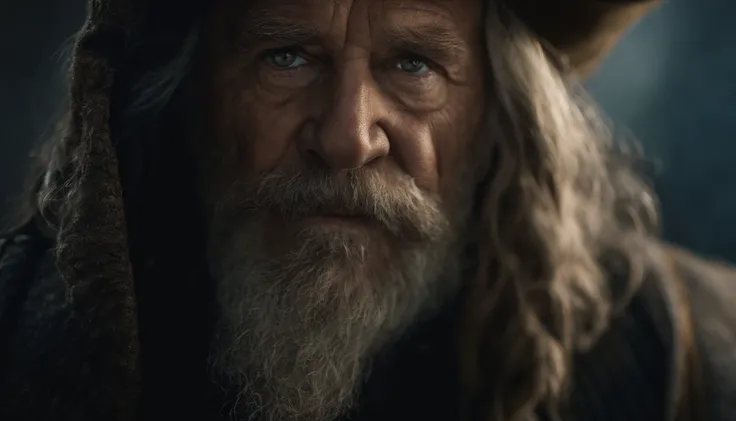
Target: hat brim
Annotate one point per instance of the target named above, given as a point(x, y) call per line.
point(581, 32)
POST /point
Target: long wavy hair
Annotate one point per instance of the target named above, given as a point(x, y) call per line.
point(560, 199)
point(563, 209)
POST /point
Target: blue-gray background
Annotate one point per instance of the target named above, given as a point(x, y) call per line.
point(671, 82)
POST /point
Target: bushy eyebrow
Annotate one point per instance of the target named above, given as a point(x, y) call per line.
point(277, 26)
point(435, 39)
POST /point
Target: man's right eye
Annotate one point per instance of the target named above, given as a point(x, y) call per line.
point(413, 65)
point(285, 59)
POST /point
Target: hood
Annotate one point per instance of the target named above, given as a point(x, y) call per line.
point(92, 239)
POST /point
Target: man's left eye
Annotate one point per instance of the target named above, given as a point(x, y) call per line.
point(286, 60)
point(413, 65)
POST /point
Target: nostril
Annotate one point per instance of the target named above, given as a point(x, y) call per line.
point(372, 160)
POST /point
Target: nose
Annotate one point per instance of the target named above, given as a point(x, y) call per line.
point(350, 135)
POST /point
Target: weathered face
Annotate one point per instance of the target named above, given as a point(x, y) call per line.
point(392, 87)
point(340, 160)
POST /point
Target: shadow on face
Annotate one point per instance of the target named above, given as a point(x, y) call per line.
point(338, 148)
point(381, 86)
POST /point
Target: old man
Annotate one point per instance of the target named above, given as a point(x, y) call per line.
point(320, 210)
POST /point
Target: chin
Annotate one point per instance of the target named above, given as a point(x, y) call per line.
point(355, 243)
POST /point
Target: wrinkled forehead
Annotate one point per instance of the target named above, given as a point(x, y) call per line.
point(434, 19)
point(319, 9)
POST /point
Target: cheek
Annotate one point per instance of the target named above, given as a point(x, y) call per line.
point(413, 148)
point(458, 134)
point(438, 149)
point(256, 135)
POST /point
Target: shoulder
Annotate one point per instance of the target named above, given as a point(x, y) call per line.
point(26, 264)
point(629, 371)
point(37, 329)
point(26, 268)
point(683, 313)
point(710, 288)
point(710, 283)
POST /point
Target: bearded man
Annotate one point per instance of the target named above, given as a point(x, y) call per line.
point(322, 210)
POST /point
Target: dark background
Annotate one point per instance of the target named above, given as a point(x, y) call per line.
point(671, 82)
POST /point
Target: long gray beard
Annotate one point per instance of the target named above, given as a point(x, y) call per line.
point(299, 327)
point(297, 333)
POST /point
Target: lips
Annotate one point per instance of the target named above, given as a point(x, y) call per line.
point(334, 216)
point(337, 213)
point(337, 216)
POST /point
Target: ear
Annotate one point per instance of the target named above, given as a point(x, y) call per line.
point(581, 32)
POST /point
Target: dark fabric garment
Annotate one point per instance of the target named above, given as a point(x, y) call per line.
point(46, 356)
point(711, 289)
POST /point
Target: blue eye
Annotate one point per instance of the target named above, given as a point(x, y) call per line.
point(286, 60)
point(413, 65)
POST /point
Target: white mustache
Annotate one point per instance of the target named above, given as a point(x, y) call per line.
point(396, 202)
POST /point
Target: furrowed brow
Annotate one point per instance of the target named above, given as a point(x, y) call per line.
point(435, 41)
point(276, 26)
